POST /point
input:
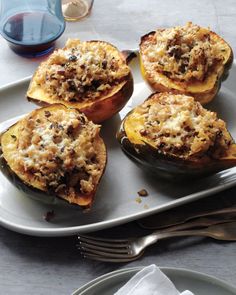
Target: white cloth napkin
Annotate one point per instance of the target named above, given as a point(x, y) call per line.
point(150, 281)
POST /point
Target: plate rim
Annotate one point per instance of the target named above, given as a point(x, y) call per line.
point(93, 283)
point(92, 227)
point(86, 228)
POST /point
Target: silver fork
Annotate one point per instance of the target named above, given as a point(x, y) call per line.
point(125, 250)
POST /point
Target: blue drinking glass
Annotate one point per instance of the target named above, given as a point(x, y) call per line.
point(31, 27)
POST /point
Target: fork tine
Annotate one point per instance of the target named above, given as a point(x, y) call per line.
point(110, 259)
point(103, 239)
point(126, 255)
point(83, 245)
point(102, 243)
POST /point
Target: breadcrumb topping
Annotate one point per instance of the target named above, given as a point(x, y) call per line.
point(58, 149)
point(82, 71)
point(185, 53)
point(180, 126)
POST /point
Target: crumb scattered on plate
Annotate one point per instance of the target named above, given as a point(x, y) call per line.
point(49, 215)
point(146, 206)
point(138, 200)
point(143, 193)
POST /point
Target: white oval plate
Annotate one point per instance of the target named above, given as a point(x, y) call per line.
point(115, 202)
point(183, 279)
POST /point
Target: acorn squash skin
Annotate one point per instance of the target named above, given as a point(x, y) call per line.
point(170, 167)
point(97, 110)
point(168, 85)
point(31, 191)
point(48, 196)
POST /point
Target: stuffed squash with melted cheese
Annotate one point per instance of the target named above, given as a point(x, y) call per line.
point(54, 151)
point(90, 76)
point(187, 60)
point(174, 136)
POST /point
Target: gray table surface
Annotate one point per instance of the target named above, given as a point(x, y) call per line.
point(32, 265)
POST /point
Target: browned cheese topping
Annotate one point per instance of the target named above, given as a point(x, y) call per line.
point(178, 125)
point(59, 150)
point(82, 71)
point(185, 53)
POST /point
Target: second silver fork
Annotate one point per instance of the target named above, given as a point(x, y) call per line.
point(121, 250)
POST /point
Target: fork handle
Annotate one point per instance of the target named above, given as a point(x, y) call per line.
point(199, 222)
point(157, 235)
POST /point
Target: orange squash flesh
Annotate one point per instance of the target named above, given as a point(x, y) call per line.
point(27, 180)
point(203, 91)
point(103, 107)
point(144, 151)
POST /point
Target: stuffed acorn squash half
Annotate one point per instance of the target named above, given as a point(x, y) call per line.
point(173, 136)
point(90, 76)
point(187, 60)
point(54, 152)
